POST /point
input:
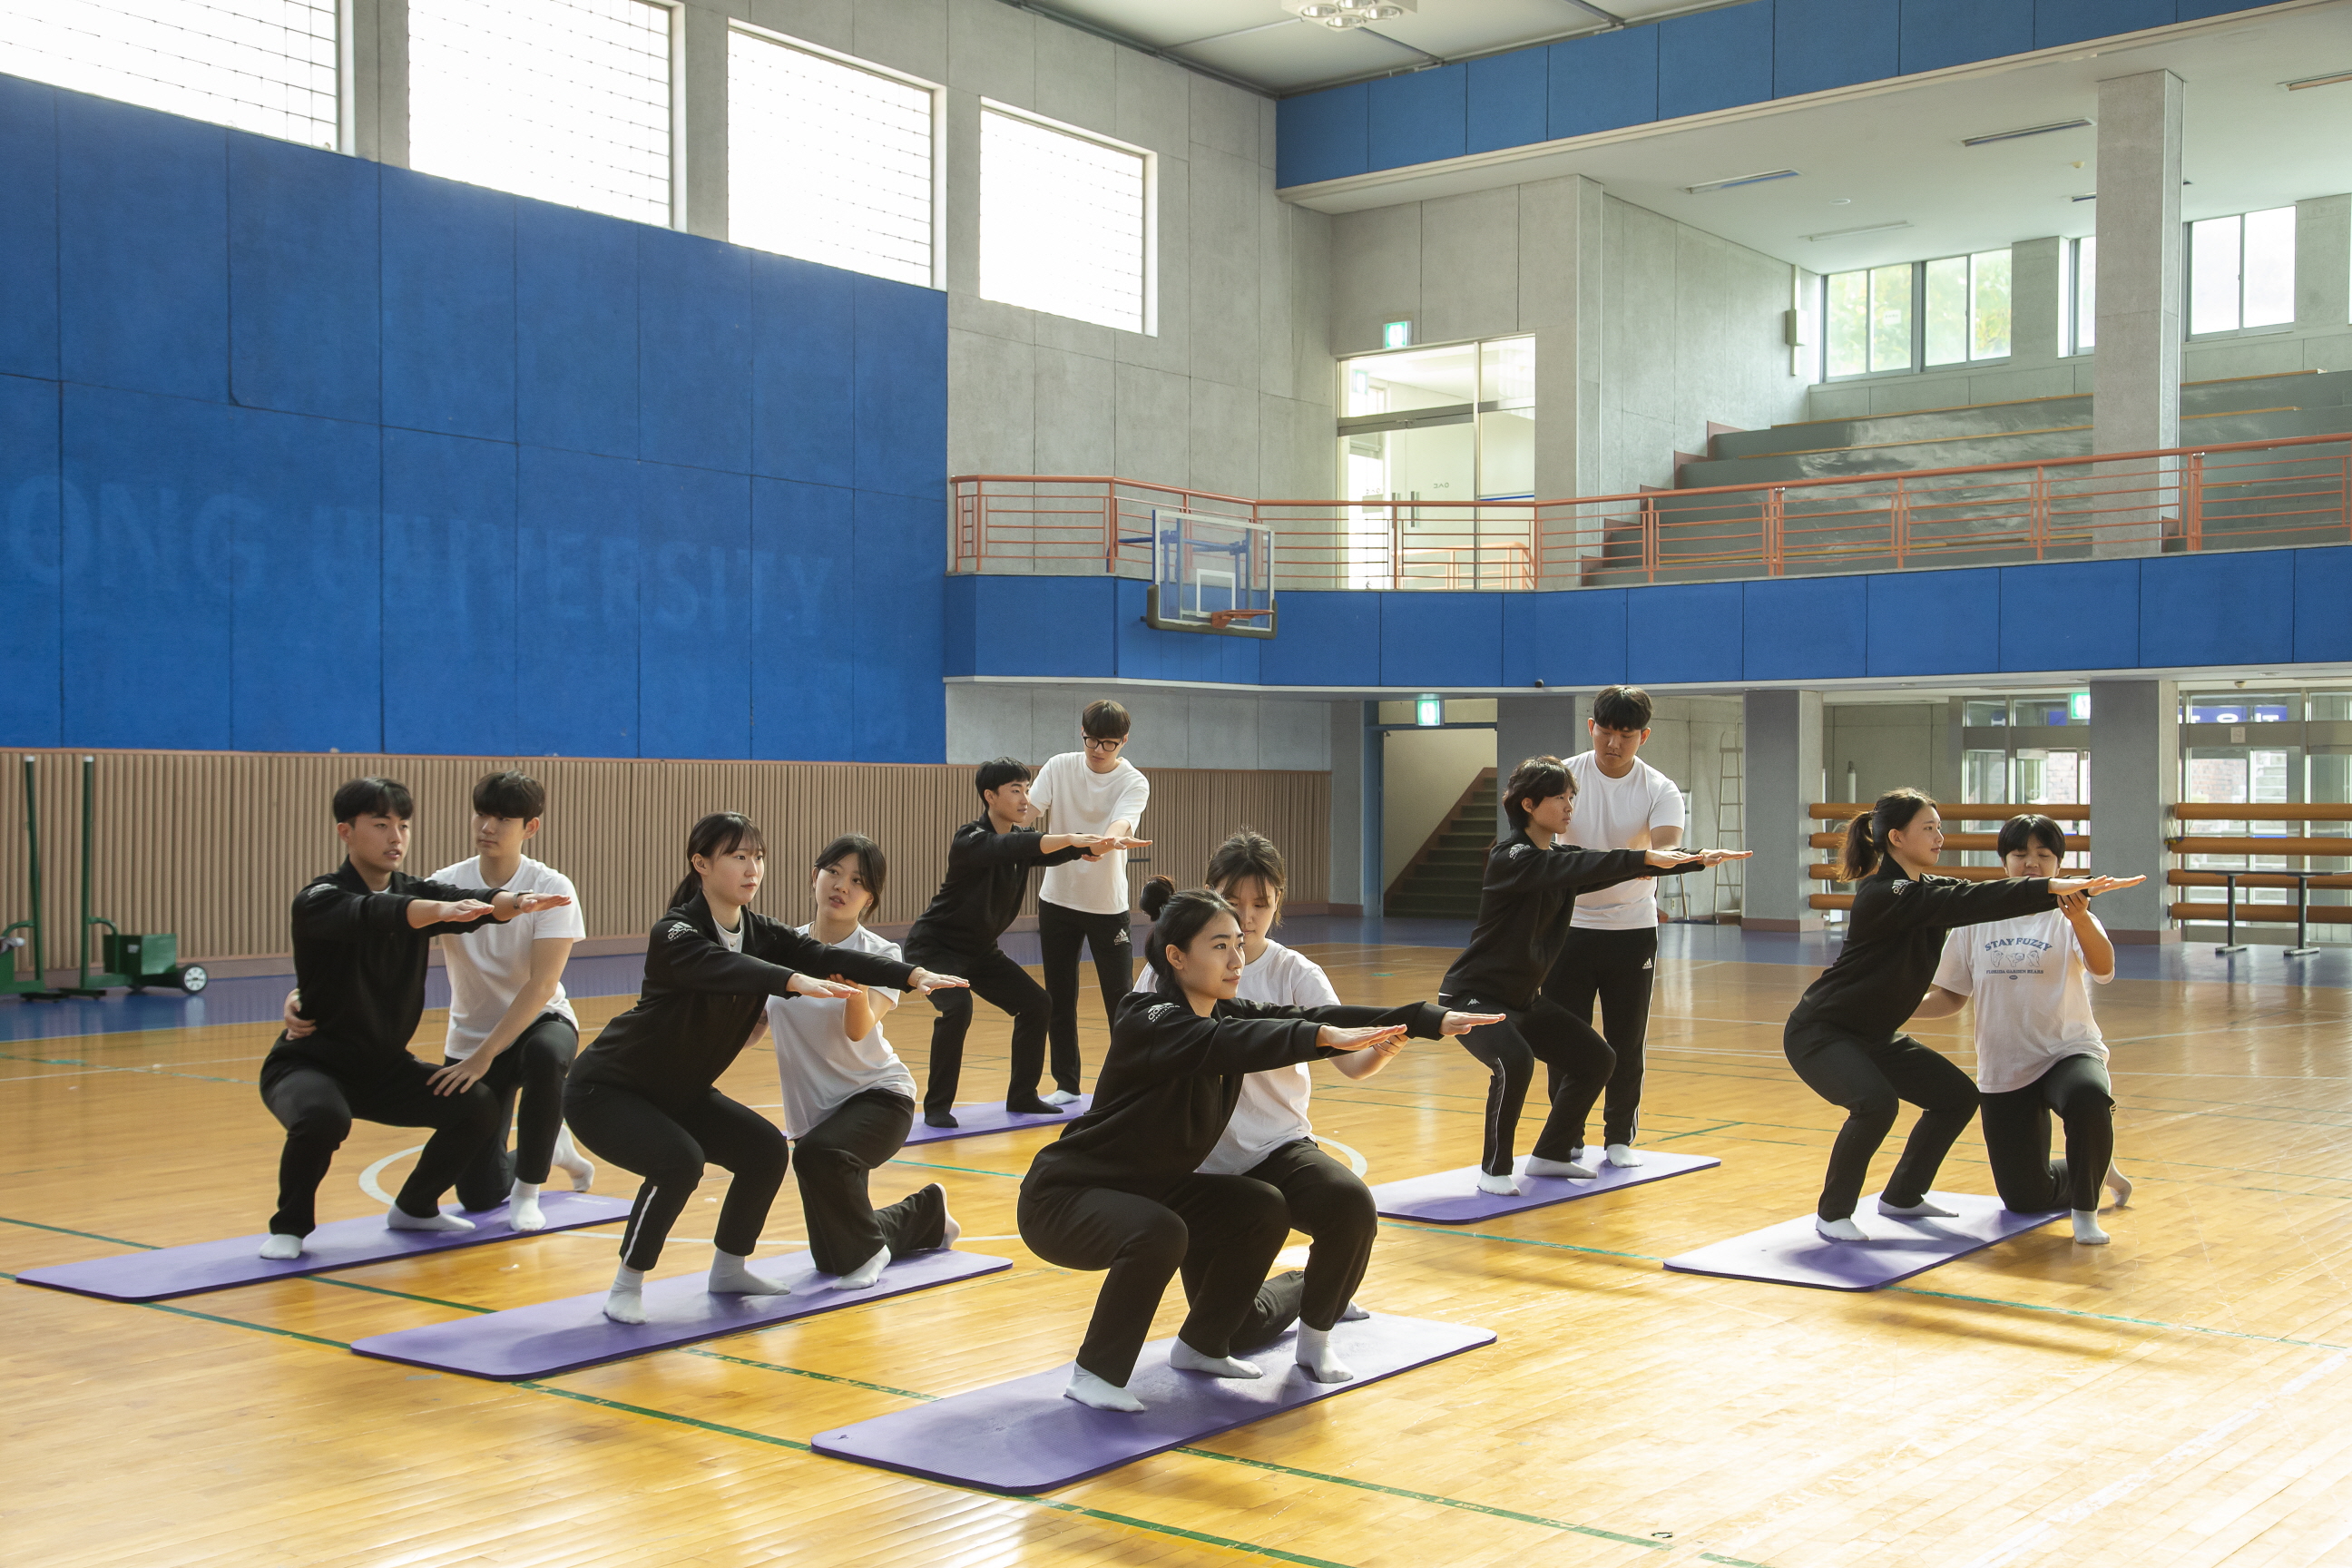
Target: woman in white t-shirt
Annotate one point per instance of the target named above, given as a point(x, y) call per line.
point(1269, 1138)
point(2038, 1046)
point(849, 1101)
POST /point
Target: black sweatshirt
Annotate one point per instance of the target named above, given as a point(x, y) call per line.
point(1171, 1078)
point(701, 1001)
point(1525, 905)
point(1894, 938)
point(359, 967)
point(987, 873)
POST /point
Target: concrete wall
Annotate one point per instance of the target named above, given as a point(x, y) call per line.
point(1890, 745)
point(1424, 774)
point(1174, 728)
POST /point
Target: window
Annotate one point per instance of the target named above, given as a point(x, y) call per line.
point(828, 160)
point(266, 66)
point(1064, 222)
point(2078, 309)
point(566, 100)
point(1920, 313)
point(1453, 424)
point(2242, 272)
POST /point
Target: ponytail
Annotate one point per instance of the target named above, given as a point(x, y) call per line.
point(1860, 857)
point(720, 832)
point(1865, 835)
point(1176, 919)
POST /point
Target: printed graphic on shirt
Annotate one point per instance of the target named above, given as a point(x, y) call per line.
point(678, 930)
point(1519, 849)
point(2018, 957)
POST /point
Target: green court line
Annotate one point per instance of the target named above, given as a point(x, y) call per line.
point(961, 1170)
point(108, 1066)
point(85, 1234)
point(1729, 1562)
point(2119, 1318)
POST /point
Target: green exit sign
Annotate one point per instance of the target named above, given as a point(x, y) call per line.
point(1396, 334)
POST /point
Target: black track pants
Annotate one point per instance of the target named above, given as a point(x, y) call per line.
point(832, 1161)
point(1580, 1062)
point(527, 1078)
point(1001, 983)
point(1870, 1077)
point(668, 1141)
point(1059, 933)
point(1333, 1207)
point(1222, 1231)
point(317, 1109)
point(1615, 968)
point(2017, 1138)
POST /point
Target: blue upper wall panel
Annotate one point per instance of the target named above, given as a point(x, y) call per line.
point(1820, 44)
point(1941, 33)
point(1420, 117)
point(28, 236)
point(1510, 99)
point(305, 324)
point(1322, 135)
point(32, 540)
point(1600, 83)
point(1715, 60)
point(448, 307)
point(575, 331)
point(2060, 22)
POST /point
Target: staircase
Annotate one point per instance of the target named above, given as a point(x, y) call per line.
point(1442, 881)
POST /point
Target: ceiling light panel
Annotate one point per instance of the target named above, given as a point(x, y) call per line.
point(1990, 137)
point(1705, 187)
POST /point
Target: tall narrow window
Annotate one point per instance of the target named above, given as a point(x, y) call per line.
point(2086, 293)
point(567, 100)
point(1064, 222)
point(828, 160)
point(2242, 271)
point(268, 65)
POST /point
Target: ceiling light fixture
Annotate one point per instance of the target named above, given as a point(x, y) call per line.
point(1343, 15)
point(2317, 81)
point(2028, 130)
point(1866, 228)
point(1706, 185)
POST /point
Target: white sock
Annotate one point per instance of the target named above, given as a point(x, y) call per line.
point(572, 1163)
point(1184, 1358)
point(523, 1208)
point(625, 1302)
point(862, 1277)
point(1923, 1209)
point(950, 1229)
point(2087, 1228)
point(1088, 1389)
point(1538, 1166)
point(1621, 1155)
point(1061, 1097)
point(1838, 1229)
point(2119, 1184)
point(732, 1276)
point(281, 1247)
point(398, 1218)
point(1316, 1358)
point(1501, 1186)
point(1351, 1313)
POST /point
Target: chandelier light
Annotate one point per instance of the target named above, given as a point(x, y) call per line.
point(1339, 15)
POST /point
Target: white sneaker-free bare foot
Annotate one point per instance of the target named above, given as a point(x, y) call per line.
point(862, 1277)
point(1837, 1229)
point(280, 1247)
point(1088, 1389)
point(1538, 1166)
point(1621, 1155)
point(1501, 1186)
point(732, 1276)
point(1184, 1358)
point(625, 1302)
point(2087, 1228)
point(1316, 1358)
point(523, 1208)
point(398, 1218)
point(572, 1163)
point(1351, 1313)
point(1060, 1096)
point(2119, 1184)
point(1923, 1209)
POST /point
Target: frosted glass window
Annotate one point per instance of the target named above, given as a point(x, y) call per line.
point(266, 66)
point(1849, 323)
point(2242, 271)
point(566, 100)
point(1063, 223)
point(2086, 292)
point(828, 162)
point(1890, 318)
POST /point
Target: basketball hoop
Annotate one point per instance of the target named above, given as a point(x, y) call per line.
point(1220, 619)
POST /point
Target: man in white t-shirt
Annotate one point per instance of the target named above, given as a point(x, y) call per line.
point(1085, 901)
point(511, 1025)
point(1611, 955)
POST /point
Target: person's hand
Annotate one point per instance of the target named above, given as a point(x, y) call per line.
point(2075, 904)
point(296, 1025)
point(2092, 887)
point(1335, 1038)
point(531, 903)
point(1463, 1023)
point(1386, 1048)
point(810, 986)
point(456, 1077)
point(926, 982)
point(459, 911)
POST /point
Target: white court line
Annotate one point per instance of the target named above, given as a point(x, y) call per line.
point(372, 1187)
point(1354, 1160)
point(2116, 1491)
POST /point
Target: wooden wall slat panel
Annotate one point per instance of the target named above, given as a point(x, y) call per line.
point(211, 844)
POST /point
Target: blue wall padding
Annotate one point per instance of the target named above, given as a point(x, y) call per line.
point(1803, 628)
point(1322, 135)
point(412, 483)
point(575, 331)
point(1940, 33)
point(2221, 608)
point(2070, 616)
point(29, 239)
point(143, 252)
point(305, 324)
point(2323, 588)
point(1420, 117)
point(1715, 60)
point(1820, 44)
point(1602, 83)
point(1927, 623)
point(1321, 639)
point(2061, 22)
point(1509, 100)
point(1441, 640)
point(1674, 633)
point(1564, 639)
point(2191, 10)
point(30, 648)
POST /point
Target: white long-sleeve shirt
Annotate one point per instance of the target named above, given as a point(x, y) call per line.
point(1272, 1110)
point(1081, 800)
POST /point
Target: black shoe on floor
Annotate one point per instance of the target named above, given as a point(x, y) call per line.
point(939, 1119)
point(1032, 1106)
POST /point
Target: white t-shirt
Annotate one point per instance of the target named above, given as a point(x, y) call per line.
point(1084, 801)
point(2034, 1005)
point(818, 1063)
point(732, 941)
point(1610, 814)
point(490, 964)
point(1272, 1110)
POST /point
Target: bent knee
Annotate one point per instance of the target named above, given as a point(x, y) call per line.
point(1880, 1107)
point(327, 1128)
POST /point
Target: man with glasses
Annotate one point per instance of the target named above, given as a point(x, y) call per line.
point(1094, 791)
point(1612, 954)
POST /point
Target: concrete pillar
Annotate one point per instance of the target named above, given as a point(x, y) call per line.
point(1560, 255)
point(1538, 724)
point(1784, 735)
point(1347, 810)
point(2135, 373)
point(2323, 264)
point(2135, 781)
point(376, 63)
point(2033, 300)
point(698, 141)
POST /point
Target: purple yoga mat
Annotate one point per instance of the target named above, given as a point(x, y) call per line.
point(1024, 1436)
point(987, 1118)
point(1451, 1197)
point(1792, 1253)
point(566, 1335)
point(170, 1271)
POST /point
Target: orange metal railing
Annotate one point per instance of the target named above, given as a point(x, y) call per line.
point(2240, 496)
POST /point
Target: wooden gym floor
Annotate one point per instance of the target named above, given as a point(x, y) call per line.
point(2179, 1397)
